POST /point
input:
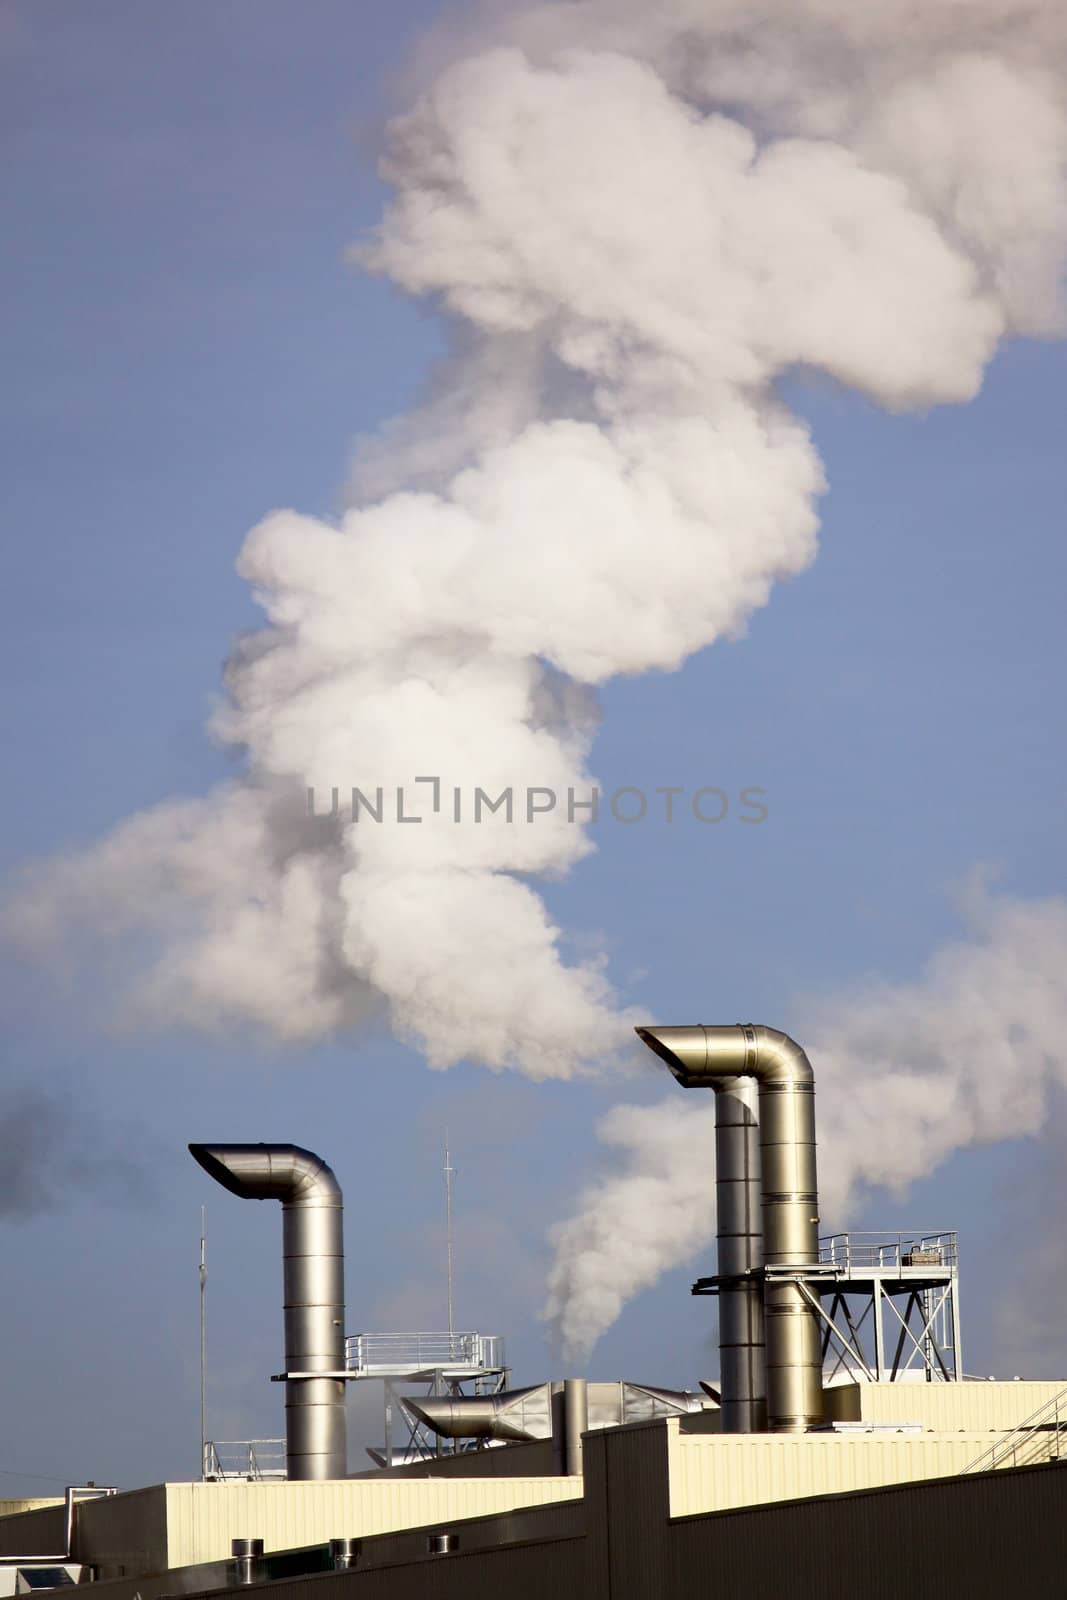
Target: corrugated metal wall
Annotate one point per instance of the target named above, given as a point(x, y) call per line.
point(117, 1533)
point(34, 1532)
point(996, 1534)
point(945, 1407)
point(203, 1518)
point(124, 1533)
point(11, 1508)
point(1002, 1533)
point(709, 1473)
point(627, 1506)
point(992, 1534)
point(552, 1524)
point(548, 1570)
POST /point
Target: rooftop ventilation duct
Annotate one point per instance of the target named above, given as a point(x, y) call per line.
point(313, 1265)
point(559, 1411)
point(516, 1415)
point(721, 1058)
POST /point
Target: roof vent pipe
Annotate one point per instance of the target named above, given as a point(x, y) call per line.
point(247, 1556)
point(313, 1266)
point(575, 1423)
point(710, 1057)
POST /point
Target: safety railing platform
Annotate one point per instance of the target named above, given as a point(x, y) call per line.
point(855, 1254)
point(255, 1460)
point(415, 1355)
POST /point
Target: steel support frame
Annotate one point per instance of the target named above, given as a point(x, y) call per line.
point(418, 1438)
point(926, 1333)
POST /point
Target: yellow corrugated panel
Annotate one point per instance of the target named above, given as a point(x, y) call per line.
point(203, 1518)
point(11, 1508)
point(709, 1473)
point(948, 1407)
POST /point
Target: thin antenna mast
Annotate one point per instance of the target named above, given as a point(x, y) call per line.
point(203, 1342)
point(449, 1175)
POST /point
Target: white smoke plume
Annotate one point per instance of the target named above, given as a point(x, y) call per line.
point(969, 1053)
point(638, 219)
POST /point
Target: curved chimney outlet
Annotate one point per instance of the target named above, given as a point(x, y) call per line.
point(313, 1267)
point(713, 1058)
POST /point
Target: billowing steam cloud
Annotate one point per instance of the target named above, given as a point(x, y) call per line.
point(639, 217)
point(968, 1054)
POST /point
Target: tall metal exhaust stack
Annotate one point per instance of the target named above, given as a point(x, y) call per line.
point(313, 1268)
point(718, 1058)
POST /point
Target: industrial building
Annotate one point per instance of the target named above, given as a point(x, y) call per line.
point(842, 1446)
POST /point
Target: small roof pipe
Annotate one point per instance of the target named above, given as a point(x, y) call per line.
point(707, 1057)
point(313, 1269)
point(575, 1423)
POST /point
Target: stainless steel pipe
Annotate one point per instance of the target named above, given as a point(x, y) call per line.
point(575, 1423)
point(742, 1356)
point(313, 1269)
point(247, 1557)
point(344, 1553)
point(709, 1057)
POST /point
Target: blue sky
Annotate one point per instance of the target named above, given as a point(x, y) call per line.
point(185, 348)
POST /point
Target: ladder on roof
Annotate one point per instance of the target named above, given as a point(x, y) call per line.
point(1036, 1438)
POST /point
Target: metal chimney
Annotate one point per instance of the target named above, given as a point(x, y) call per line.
point(742, 1356)
point(716, 1058)
point(313, 1265)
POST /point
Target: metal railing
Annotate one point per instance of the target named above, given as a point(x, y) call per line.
point(1040, 1431)
point(862, 1252)
point(253, 1459)
point(423, 1352)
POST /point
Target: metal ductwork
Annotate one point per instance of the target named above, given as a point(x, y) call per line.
point(516, 1415)
point(561, 1412)
point(313, 1266)
point(717, 1058)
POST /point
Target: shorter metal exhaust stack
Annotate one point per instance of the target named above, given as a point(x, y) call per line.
point(247, 1559)
point(575, 1423)
point(720, 1058)
point(313, 1269)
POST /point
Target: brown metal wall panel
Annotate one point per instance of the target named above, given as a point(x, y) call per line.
point(553, 1523)
point(30, 1533)
point(971, 1536)
point(549, 1569)
point(116, 1533)
point(124, 1534)
point(637, 1506)
point(992, 1534)
point(594, 1463)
